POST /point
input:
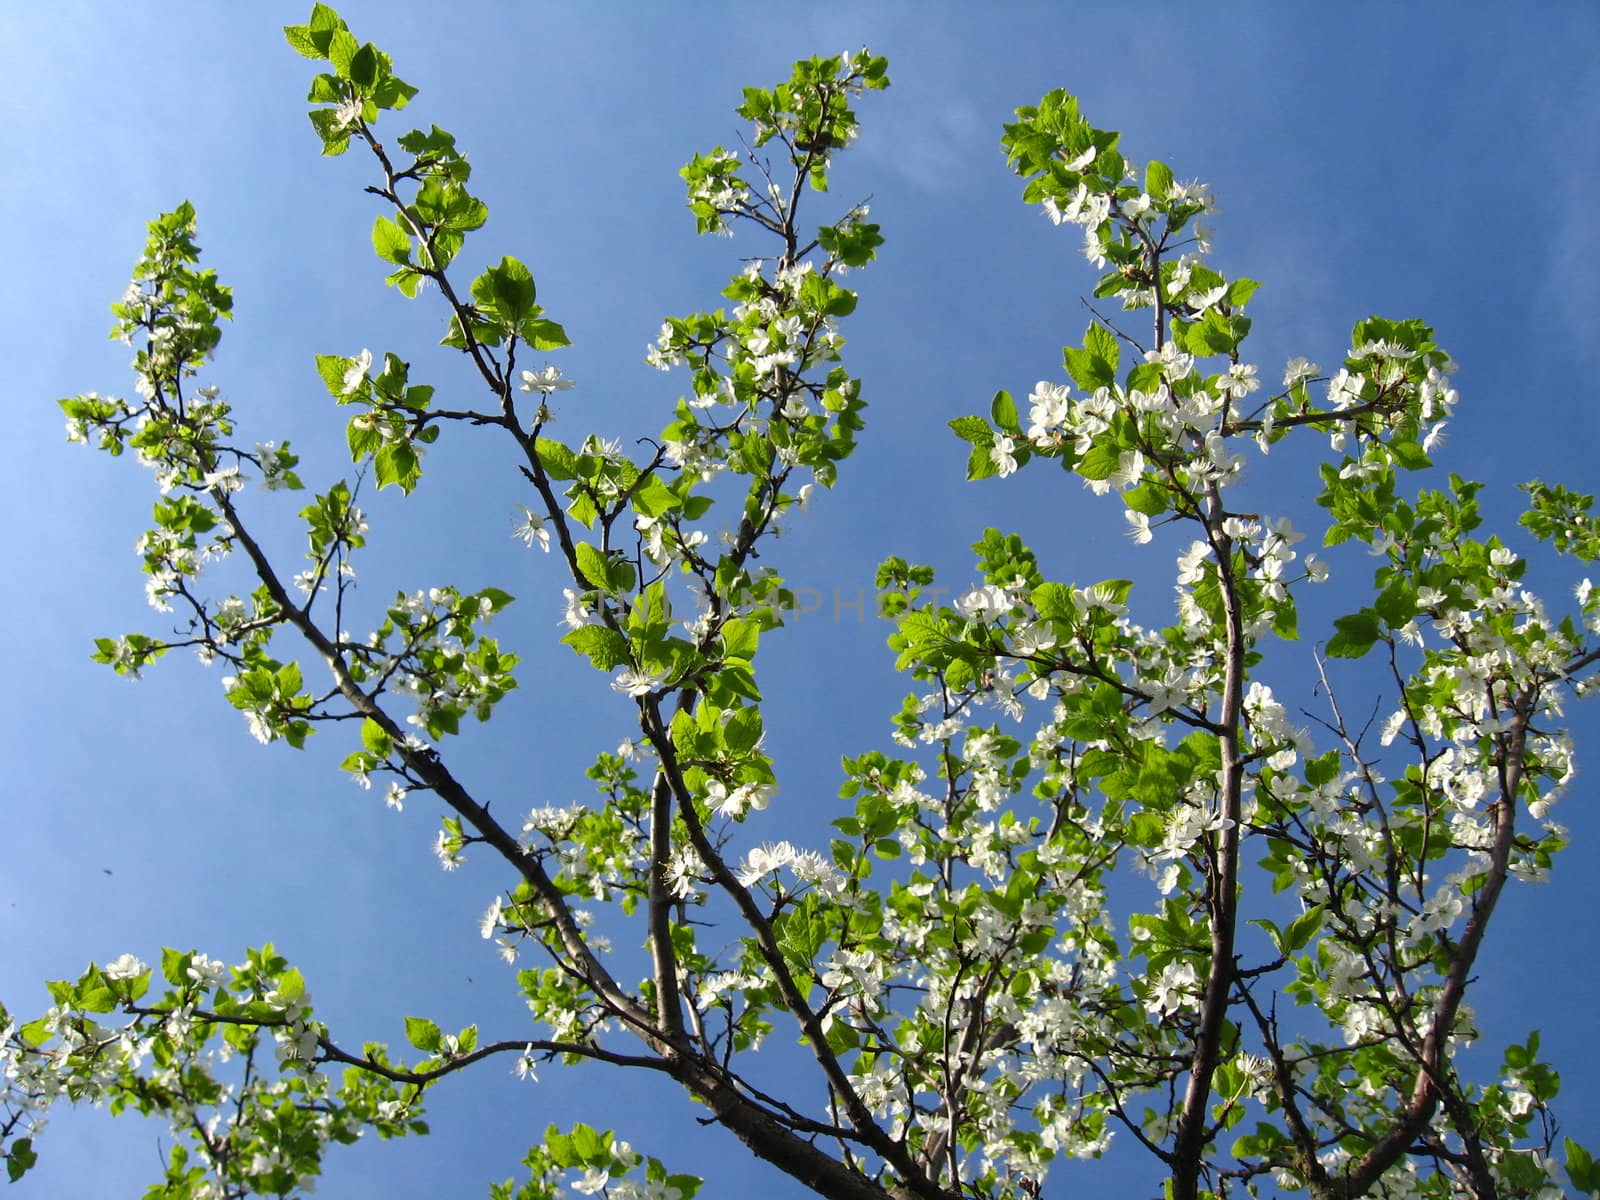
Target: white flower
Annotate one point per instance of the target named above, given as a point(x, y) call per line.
point(1003, 455)
point(983, 601)
point(1191, 562)
point(1093, 249)
point(124, 966)
point(720, 800)
point(1033, 638)
point(763, 860)
point(224, 479)
point(1173, 362)
point(577, 613)
point(1298, 369)
point(447, 852)
point(1179, 279)
point(1169, 993)
point(524, 1067)
point(734, 803)
point(1344, 390)
point(546, 381)
point(1240, 380)
point(204, 971)
point(1382, 349)
point(531, 529)
point(1049, 406)
point(1137, 208)
point(490, 921)
point(1130, 469)
point(1392, 727)
point(634, 682)
point(348, 113)
point(356, 372)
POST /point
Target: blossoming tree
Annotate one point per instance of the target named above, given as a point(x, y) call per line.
point(1103, 885)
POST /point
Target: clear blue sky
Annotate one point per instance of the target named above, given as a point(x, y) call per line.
point(1438, 161)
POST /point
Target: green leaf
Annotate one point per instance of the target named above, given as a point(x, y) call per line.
point(313, 38)
point(1582, 1168)
point(397, 463)
point(1286, 619)
point(594, 565)
point(507, 290)
point(800, 936)
point(288, 679)
point(1145, 377)
point(559, 1146)
point(558, 461)
point(1148, 498)
point(739, 638)
point(1240, 291)
point(328, 88)
point(391, 242)
point(541, 333)
point(20, 1159)
point(174, 964)
point(392, 93)
point(1088, 370)
point(1272, 931)
point(975, 430)
point(363, 439)
point(592, 1147)
point(497, 598)
point(292, 985)
point(1357, 633)
point(332, 368)
point(1397, 602)
point(653, 498)
point(1053, 601)
point(364, 67)
point(733, 681)
point(1103, 458)
point(1298, 933)
point(423, 1034)
point(375, 739)
point(743, 730)
point(1215, 333)
point(1410, 455)
point(980, 465)
point(583, 509)
point(1004, 410)
point(300, 39)
point(1102, 343)
point(604, 646)
point(1157, 180)
point(335, 139)
point(342, 47)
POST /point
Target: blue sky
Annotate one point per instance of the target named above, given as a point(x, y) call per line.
point(1429, 160)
